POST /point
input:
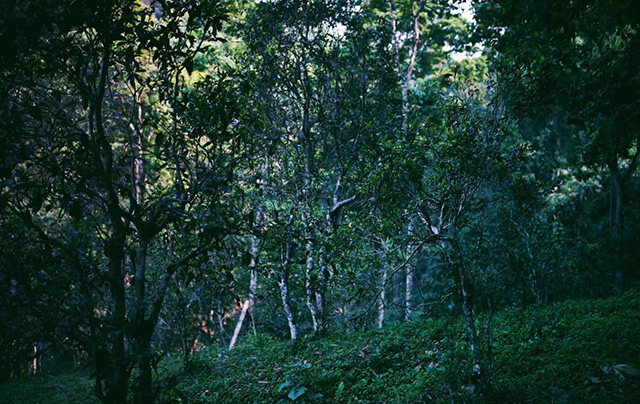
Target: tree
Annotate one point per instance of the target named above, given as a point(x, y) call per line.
point(114, 157)
point(572, 64)
point(300, 55)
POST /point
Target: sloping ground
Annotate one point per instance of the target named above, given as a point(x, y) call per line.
point(572, 352)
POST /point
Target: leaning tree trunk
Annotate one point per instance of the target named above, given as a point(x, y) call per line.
point(253, 288)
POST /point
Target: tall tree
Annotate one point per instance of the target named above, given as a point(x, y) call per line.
point(117, 161)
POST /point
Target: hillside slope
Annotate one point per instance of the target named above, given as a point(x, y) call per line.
point(576, 351)
point(571, 352)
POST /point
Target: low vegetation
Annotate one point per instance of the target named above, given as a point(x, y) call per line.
point(573, 352)
point(576, 351)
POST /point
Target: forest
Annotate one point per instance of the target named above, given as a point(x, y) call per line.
point(319, 201)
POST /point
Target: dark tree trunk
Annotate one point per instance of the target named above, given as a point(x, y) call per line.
point(144, 391)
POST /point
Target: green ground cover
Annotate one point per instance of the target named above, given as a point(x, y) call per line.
point(571, 352)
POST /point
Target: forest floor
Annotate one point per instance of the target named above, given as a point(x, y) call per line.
point(570, 352)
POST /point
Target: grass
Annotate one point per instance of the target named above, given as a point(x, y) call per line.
point(571, 352)
point(58, 388)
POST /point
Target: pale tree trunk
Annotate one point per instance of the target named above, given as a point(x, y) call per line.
point(253, 284)
point(309, 287)
point(408, 294)
point(284, 292)
point(382, 252)
point(137, 150)
point(236, 331)
point(480, 378)
point(321, 291)
point(408, 310)
point(616, 180)
point(476, 349)
point(405, 75)
point(249, 304)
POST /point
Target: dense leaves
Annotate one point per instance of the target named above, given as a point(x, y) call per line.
point(177, 174)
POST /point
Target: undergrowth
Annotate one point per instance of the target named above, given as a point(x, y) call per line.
point(571, 352)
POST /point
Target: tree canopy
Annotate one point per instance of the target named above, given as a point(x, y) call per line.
point(179, 174)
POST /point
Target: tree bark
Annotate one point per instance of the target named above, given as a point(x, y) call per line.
point(309, 287)
point(618, 193)
point(253, 291)
point(236, 332)
point(408, 294)
point(478, 376)
point(382, 253)
point(284, 293)
point(253, 281)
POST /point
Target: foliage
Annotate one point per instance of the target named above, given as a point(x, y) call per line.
point(171, 170)
point(567, 351)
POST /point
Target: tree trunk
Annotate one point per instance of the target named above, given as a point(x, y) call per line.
point(408, 294)
point(478, 376)
point(144, 393)
point(253, 284)
point(253, 288)
point(382, 252)
point(618, 194)
point(220, 315)
point(320, 292)
point(309, 287)
point(119, 384)
point(284, 293)
point(236, 332)
point(405, 75)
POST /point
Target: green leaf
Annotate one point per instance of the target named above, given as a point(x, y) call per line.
point(296, 392)
point(284, 385)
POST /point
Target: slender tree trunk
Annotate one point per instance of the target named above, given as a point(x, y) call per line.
point(253, 291)
point(617, 188)
point(253, 284)
point(220, 315)
point(320, 292)
point(467, 310)
point(284, 293)
point(384, 270)
point(236, 331)
point(408, 311)
point(408, 294)
point(309, 287)
point(405, 75)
